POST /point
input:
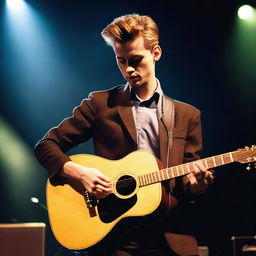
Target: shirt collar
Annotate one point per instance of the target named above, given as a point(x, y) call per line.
point(155, 101)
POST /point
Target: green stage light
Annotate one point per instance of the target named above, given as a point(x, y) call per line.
point(245, 12)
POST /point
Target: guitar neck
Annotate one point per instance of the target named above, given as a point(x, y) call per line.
point(183, 169)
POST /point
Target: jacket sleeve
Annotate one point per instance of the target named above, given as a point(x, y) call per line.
point(50, 150)
point(192, 152)
point(193, 146)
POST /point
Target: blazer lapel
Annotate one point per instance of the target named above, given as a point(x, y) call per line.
point(125, 110)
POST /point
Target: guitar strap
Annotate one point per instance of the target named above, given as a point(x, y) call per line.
point(169, 116)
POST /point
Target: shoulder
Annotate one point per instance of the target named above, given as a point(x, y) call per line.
point(185, 114)
point(103, 98)
point(182, 107)
point(106, 93)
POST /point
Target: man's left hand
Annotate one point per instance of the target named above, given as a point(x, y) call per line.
point(200, 178)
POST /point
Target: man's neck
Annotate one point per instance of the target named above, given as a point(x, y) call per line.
point(144, 92)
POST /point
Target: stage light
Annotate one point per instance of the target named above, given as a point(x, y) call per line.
point(245, 12)
point(14, 4)
point(34, 200)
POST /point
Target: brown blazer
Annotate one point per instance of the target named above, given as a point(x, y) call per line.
point(106, 116)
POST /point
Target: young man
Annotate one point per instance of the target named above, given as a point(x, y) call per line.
point(126, 118)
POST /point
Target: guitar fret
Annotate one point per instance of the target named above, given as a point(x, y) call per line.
point(145, 179)
point(153, 177)
point(178, 171)
point(182, 169)
point(231, 157)
point(158, 176)
point(222, 160)
point(154, 174)
point(161, 175)
point(140, 183)
point(213, 158)
point(188, 168)
point(167, 173)
point(149, 178)
point(164, 175)
point(206, 163)
point(172, 172)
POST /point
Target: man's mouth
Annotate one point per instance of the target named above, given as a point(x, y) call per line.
point(131, 78)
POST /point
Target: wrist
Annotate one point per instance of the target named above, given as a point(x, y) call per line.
point(70, 170)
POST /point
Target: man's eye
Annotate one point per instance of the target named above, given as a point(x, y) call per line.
point(135, 61)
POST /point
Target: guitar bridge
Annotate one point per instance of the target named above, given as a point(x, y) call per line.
point(91, 202)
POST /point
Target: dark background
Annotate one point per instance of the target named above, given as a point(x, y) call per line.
point(53, 56)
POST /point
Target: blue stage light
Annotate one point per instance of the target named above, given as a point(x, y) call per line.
point(14, 4)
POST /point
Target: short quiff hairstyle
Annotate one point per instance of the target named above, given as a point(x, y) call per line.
point(127, 27)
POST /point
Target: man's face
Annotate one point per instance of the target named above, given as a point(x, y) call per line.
point(135, 62)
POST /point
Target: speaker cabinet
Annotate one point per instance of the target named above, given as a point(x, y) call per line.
point(244, 245)
point(22, 239)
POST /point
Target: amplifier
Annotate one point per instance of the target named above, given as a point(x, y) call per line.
point(23, 239)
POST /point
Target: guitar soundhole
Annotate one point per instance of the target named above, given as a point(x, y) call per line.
point(125, 185)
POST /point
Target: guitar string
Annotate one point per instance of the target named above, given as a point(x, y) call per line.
point(129, 181)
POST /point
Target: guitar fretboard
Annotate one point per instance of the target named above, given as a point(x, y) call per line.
point(183, 169)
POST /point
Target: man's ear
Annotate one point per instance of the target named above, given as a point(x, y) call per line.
point(157, 52)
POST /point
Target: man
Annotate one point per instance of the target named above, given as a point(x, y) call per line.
point(126, 118)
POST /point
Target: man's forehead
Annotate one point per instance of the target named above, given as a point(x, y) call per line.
point(133, 47)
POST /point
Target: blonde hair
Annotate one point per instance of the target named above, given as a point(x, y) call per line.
point(127, 27)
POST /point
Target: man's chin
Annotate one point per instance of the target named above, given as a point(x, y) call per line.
point(135, 84)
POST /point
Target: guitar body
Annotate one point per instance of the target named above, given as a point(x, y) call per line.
point(78, 226)
point(140, 194)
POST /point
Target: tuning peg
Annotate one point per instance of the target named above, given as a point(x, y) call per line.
point(253, 147)
point(248, 167)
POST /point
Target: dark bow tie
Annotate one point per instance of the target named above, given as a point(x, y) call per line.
point(146, 103)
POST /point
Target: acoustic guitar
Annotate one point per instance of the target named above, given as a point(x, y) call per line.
point(80, 221)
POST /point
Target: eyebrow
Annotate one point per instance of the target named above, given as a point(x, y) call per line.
point(135, 56)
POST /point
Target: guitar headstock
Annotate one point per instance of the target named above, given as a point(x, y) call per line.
point(245, 155)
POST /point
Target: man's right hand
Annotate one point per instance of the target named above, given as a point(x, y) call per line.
point(94, 181)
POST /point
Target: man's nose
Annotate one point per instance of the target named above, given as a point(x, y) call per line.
point(130, 69)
